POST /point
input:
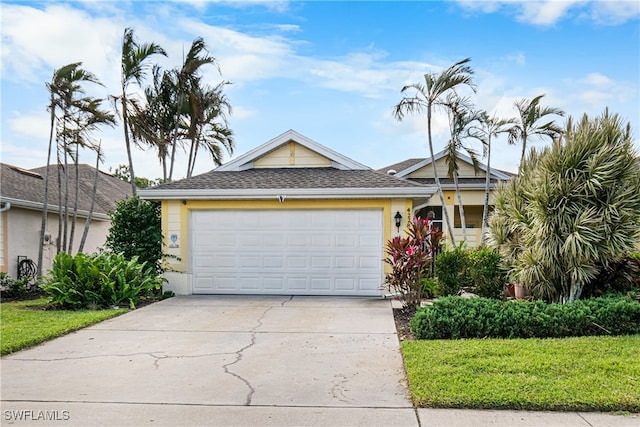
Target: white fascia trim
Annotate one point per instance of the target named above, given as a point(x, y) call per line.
point(495, 173)
point(37, 206)
point(288, 193)
point(240, 162)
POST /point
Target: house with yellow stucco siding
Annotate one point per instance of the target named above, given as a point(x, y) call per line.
point(472, 184)
point(290, 217)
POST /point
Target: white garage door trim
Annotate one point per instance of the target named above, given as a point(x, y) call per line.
point(287, 252)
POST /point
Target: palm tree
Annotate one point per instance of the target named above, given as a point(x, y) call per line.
point(88, 118)
point(209, 124)
point(461, 117)
point(63, 89)
point(61, 77)
point(187, 81)
point(153, 121)
point(87, 223)
point(484, 130)
point(426, 98)
point(533, 120)
point(134, 66)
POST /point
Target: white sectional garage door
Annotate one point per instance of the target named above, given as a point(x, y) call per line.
point(287, 252)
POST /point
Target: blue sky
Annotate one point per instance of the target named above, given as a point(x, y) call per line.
point(329, 70)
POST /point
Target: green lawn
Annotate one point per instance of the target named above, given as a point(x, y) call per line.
point(25, 323)
point(586, 373)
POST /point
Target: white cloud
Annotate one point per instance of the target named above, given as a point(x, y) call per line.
point(31, 125)
point(545, 12)
point(57, 35)
point(615, 12)
point(549, 12)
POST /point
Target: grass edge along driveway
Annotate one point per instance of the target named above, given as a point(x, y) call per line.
point(570, 374)
point(24, 324)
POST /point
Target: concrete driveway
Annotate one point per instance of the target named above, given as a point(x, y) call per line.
point(218, 360)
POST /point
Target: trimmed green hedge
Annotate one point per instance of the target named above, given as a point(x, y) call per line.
point(457, 317)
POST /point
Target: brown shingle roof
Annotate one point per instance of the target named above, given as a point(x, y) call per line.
point(289, 178)
point(400, 166)
point(28, 185)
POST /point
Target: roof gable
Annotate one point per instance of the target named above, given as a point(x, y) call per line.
point(414, 168)
point(291, 150)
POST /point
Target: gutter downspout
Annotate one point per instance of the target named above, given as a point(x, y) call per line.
point(6, 207)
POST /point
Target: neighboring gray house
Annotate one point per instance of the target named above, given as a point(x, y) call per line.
point(22, 201)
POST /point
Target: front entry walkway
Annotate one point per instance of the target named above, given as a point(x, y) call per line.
point(218, 360)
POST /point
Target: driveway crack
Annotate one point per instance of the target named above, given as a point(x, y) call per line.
point(286, 301)
point(239, 355)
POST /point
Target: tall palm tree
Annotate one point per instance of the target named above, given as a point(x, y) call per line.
point(485, 129)
point(87, 223)
point(208, 118)
point(153, 120)
point(461, 117)
point(429, 96)
point(61, 77)
point(64, 87)
point(89, 117)
point(186, 79)
point(133, 66)
point(533, 120)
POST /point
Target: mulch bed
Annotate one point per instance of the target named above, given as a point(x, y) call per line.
point(402, 317)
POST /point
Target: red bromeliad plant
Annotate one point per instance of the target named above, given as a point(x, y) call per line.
point(410, 259)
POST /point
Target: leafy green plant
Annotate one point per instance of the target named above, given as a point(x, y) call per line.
point(573, 210)
point(99, 281)
point(451, 270)
point(488, 278)
point(431, 287)
point(11, 288)
point(136, 231)
point(410, 259)
point(456, 317)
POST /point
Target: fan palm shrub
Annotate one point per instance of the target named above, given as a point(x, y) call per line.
point(573, 211)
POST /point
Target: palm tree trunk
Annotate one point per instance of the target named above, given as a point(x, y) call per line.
point(191, 158)
point(45, 203)
point(58, 164)
point(460, 207)
point(75, 205)
point(87, 223)
point(445, 213)
point(524, 149)
point(127, 142)
point(487, 184)
point(65, 233)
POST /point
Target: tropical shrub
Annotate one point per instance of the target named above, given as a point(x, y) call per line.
point(410, 259)
point(476, 270)
point(10, 288)
point(617, 277)
point(573, 211)
point(431, 288)
point(451, 270)
point(99, 281)
point(457, 317)
point(136, 231)
point(485, 271)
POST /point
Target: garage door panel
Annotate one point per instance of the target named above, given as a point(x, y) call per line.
point(320, 262)
point(297, 283)
point(368, 262)
point(345, 262)
point(346, 284)
point(321, 252)
point(274, 284)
